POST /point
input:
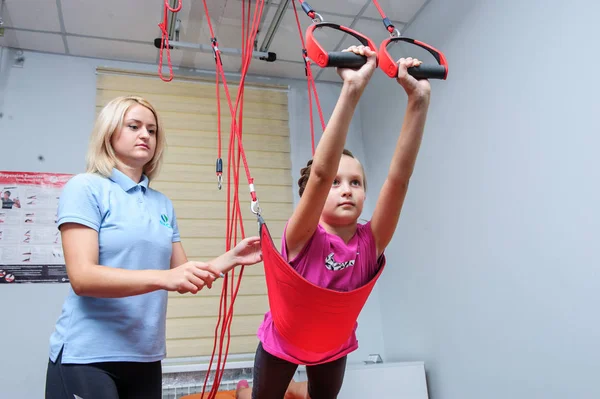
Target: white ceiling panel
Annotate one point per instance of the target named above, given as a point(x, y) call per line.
point(195, 29)
point(346, 7)
point(194, 24)
point(269, 14)
point(31, 14)
point(137, 21)
point(232, 13)
point(115, 19)
point(27, 40)
point(227, 35)
point(374, 30)
point(287, 43)
point(396, 10)
point(112, 49)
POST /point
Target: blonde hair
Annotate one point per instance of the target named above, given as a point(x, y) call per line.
point(101, 157)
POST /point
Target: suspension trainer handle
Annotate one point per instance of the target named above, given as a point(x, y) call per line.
point(423, 71)
point(341, 59)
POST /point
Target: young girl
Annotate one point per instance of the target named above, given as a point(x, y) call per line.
point(323, 240)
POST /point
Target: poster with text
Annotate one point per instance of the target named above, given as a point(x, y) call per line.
point(30, 244)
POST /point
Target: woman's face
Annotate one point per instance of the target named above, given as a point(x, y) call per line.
point(134, 142)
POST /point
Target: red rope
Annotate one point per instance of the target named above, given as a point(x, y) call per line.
point(390, 28)
point(310, 82)
point(379, 8)
point(242, 81)
point(219, 171)
point(164, 41)
point(311, 13)
point(236, 158)
point(234, 214)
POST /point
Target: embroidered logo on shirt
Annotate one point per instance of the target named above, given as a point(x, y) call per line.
point(331, 264)
point(164, 220)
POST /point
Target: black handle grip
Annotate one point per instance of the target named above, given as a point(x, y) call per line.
point(428, 71)
point(345, 59)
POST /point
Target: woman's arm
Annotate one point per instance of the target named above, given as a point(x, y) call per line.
point(326, 160)
point(246, 252)
point(88, 278)
point(394, 189)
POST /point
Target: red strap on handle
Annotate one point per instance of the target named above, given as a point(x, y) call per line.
point(389, 66)
point(324, 58)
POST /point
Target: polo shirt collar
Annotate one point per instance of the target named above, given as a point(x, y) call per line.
point(125, 181)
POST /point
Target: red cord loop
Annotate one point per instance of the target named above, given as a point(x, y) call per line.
point(173, 9)
point(164, 41)
point(389, 65)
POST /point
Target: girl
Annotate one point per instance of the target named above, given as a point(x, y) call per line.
point(323, 240)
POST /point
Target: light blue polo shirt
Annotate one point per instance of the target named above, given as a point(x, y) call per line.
point(136, 229)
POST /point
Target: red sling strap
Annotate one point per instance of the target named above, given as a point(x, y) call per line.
point(310, 317)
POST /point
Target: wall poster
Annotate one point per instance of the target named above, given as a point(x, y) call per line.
point(30, 244)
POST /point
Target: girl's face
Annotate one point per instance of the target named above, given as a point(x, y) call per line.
point(346, 197)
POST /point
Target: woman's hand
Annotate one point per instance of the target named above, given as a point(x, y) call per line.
point(190, 277)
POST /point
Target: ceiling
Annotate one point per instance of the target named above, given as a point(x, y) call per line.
point(125, 30)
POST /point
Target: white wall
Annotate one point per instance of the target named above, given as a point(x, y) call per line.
point(495, 276)
point(49, 111)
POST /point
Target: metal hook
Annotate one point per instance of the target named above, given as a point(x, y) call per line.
point(255, 208)
point(395, 33)
point(219, 181)
point(318, 18)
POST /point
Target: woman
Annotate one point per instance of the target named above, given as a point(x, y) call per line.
point(123, 253)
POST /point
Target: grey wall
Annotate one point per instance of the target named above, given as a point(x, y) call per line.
point(494, 279)
point(49, 109)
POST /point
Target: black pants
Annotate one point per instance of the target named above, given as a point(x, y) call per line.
point(106, 380)
point(272, 376)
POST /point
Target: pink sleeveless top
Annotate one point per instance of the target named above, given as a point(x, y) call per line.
point(327, 261)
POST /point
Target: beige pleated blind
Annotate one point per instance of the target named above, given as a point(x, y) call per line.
point(189, 114)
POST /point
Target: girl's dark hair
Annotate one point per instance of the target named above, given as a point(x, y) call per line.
point(305, 173)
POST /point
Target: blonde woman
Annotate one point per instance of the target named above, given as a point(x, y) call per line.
point(123, 253)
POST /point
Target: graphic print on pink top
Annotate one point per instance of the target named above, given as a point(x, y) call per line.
point(327, 261)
